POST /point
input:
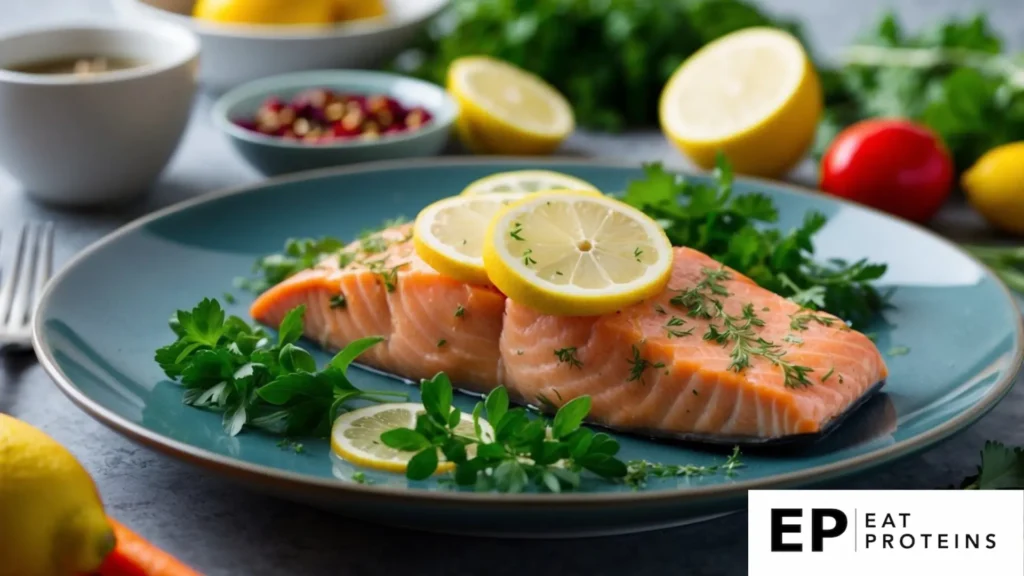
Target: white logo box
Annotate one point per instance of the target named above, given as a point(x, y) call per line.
point(905, 533)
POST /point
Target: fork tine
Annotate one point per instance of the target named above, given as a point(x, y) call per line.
point(10, 276)
point(44, 261)
point(22, 294)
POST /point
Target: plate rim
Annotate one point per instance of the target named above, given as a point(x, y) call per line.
point(288, 481)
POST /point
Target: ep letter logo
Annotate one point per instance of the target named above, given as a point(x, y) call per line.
point(824, 523)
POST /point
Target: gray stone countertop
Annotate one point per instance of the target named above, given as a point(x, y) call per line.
point(223, 529)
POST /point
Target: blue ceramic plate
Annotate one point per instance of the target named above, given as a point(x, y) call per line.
point(104, 315)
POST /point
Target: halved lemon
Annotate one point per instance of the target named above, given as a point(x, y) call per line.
point(576, 254)
point(356, 436)
point(505, 109)
point(449, 234)
point(752, 94)
point(527, 181)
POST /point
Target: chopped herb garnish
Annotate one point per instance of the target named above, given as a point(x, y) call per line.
point(735, 229)
point(899, 351)
point(545, 402)
point(390, 277)
point(303, 253)
point(338, 301)
point(229, 297)
point(800, 320)
point(637, 253)
point(659, 309)
point(441, 342)
point(345, 258)
point(828, 374)
point(373, 244)
point(517, 231)
point(639, 365)
point(793, 339)
point(698, 300)
point(519, 352)
point(527, 258)
point(559, 273)
point(460, 311)
point(568, 356)
point(671, 328)
point(639, 471)
point(739, 332)
point(360, 478)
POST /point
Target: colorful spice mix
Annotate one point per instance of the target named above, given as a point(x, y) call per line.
point(322, 116)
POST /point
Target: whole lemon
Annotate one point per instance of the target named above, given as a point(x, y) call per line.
point(358, 9)
point(995, 187)
point(265, 11)
point(51, 516)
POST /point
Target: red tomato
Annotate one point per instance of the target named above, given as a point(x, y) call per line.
point(897, 166)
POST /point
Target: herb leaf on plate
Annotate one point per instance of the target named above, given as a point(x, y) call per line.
point(733, 229)
point(522, 451)
point(303, 253)
point(227, 365)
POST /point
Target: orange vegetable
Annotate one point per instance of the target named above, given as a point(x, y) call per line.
point(134, 556)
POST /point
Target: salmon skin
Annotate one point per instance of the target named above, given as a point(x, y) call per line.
point(713, 358)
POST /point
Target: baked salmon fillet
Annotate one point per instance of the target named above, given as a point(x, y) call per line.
point(713, 357)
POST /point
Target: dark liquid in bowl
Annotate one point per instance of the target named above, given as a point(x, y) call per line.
point(80, 65)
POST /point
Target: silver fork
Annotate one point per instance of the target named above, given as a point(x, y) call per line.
point(23, 279)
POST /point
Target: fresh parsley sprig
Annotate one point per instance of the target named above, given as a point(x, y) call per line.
point(229, 366)
point(521, 452)
point(732, 229)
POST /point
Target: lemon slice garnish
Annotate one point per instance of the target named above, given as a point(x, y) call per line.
point(355, 436)
point(527, 181)
point(576, 254)
point(449, 234)
point(752, 94)
point(505, 109)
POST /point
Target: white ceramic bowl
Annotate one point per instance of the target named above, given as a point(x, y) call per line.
point(234, 54)
point(105, 138)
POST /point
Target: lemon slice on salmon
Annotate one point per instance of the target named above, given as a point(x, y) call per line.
point(449, 234)
point(576, 254)
point(505, 109)
point(752, 94)
point(355, 436)
point(527, 181)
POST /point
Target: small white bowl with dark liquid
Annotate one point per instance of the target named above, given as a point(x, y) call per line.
point(91, 114)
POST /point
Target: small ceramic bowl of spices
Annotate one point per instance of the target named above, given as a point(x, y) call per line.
point(319, 119)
